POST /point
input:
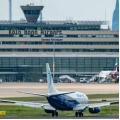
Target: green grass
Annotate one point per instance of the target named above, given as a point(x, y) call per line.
point(26, 111)
point(37, 98)
point(94, 96)
point(26, 98)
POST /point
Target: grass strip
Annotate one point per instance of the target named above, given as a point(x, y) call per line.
point(26, 111)
point(95, 96)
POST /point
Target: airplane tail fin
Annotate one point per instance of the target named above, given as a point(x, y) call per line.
point(51, 87)
point(116, 62)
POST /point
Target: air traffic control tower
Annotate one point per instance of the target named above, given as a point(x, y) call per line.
point(31, 12)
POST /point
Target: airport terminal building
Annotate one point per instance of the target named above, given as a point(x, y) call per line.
point(81, 47)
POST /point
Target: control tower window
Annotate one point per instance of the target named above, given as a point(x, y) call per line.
point(35, 12)
point(27, 12)
point(31, 12)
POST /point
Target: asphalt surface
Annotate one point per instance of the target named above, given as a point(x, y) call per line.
point(65, 117)
point(9, 89)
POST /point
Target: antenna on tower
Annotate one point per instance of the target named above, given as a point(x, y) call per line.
point(41, 2)
point(105, 15)
point(10, 10)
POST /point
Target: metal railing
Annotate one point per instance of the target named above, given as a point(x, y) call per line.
point(67, 22)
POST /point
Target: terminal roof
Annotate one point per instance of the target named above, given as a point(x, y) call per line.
point(56, 22)
point(46, 55)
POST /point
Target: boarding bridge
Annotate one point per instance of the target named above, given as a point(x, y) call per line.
point(67, 78)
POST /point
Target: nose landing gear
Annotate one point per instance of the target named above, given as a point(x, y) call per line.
point(80, 114)
point(54, 113)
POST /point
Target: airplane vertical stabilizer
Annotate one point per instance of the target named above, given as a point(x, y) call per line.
point(51, 87)
point(116, 62)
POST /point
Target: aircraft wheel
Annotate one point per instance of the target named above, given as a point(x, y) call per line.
point(76, 114)
point(56, 114)
point(53, 114)
point(80, 114)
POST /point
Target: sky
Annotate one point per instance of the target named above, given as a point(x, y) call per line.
point(62, 9)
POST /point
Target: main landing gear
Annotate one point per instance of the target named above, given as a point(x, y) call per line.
point(80, 114)
point(54, 113)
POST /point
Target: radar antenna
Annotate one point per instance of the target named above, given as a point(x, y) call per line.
point(41, 2)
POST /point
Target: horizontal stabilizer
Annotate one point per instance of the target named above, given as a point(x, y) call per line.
point(32, 93)
point(61, 93)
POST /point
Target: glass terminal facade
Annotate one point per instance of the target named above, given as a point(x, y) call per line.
point(81, 47)
point(31, 69)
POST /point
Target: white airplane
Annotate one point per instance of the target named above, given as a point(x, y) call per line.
point(106, 75)
point(111, 73)
point(64, 101)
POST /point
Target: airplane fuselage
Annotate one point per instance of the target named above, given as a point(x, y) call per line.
point(67, 101)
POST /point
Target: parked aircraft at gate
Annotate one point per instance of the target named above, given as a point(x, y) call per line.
point(114, 73)
point(65, 101)
point(104, 75)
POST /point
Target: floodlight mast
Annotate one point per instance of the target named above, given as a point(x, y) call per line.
point(54, 57)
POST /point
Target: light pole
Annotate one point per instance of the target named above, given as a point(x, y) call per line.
point(54, 57)
point(59, 64)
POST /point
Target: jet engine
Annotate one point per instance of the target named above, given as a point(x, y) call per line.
point(48, 111)
point(94, 110)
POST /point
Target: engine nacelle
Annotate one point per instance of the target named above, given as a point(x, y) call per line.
point(94, 110)
point(48, 111)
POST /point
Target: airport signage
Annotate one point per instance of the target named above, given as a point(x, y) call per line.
point(35, 32)
point(51, 39)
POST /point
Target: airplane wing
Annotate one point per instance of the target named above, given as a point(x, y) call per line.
point(30, 104)
point(80, 107)
point(55, 94)
point(102, 104)
point(84, 106)
point(32, 93)
point(61, 93)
